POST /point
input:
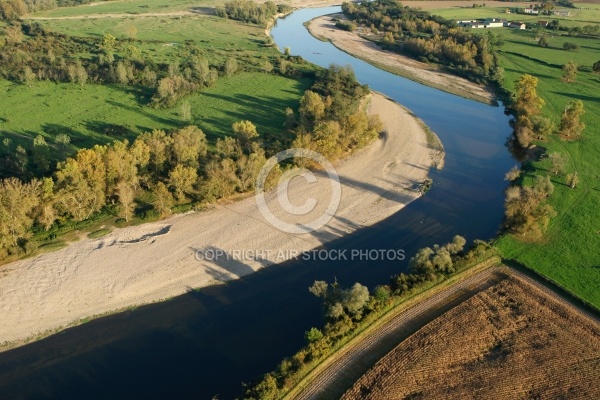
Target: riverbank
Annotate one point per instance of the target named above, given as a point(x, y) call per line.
point(323, 28)
point(151, 262)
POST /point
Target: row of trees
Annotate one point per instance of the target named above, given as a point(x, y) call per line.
point(347, 310)
point(250, 11)
point(170, 168)
point(177, 167)
point(430, 38)
point(530, 125)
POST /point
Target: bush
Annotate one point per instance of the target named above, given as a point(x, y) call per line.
point(347, 26)
point(568, 46)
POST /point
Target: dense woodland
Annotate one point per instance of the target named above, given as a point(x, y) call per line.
point(428, 38)
point(160, 170)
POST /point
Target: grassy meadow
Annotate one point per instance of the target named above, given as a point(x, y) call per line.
point(85, 113)
point(569, 253)
point(132, 7)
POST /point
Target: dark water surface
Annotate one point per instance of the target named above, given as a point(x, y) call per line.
point(207, 343)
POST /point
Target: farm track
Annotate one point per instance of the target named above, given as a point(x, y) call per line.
point(337, 377)
point(359, 357)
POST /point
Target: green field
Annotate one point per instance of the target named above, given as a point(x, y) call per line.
point(84, 113)
point(87, 113)
point(128, 7)
point(579, 17)
point(569, 254)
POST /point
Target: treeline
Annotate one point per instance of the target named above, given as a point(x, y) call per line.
point(428, 37)
point(160, 170)
point(527, 212)
point(14, 9)
point(30, 53)
point(349, 310)
point(251, 12)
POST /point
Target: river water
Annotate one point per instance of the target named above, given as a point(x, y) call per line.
point(207, 343)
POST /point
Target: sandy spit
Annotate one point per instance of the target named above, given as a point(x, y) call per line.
point(350, 42)
point(150, 262)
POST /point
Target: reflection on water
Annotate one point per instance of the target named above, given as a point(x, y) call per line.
point(207, 343)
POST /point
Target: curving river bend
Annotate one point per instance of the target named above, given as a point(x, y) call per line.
point(207, 343)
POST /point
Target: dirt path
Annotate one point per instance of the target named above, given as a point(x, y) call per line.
point(154, 261)
point(364, 49)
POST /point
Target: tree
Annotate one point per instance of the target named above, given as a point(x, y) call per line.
point(542, 126)
point(527, 102)
point(182, 180)
point(230, 67)
point(570, 124)
point(121, 74)
point(355, 299)
point(81, 183)
point(189, 145)
point(596, 67)
point(159, 144)
point(126, 194)
point(267, 67)
point(108, 42)
point(573, 180)
point(569, 71)
point(41, 154)
point(527, 105)
point(13, 33)
point(229, 147)
point(543, 41)
point(557, 163)
point(313, 335)
point(163, 199)
point(186, 111)
point(513, 174)
point(81, 74)
point(28, 76)
point(312, 107)
point(568, 46)
point(283, 66)
point(456, 246)
point(249, 168)
point(18, 202)
point(245, 132)
point(121, 169)
point(222, 179)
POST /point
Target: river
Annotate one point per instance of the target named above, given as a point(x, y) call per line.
point(207, 343)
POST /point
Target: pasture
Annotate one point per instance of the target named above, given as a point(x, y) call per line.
point(568, 254)
point(88, 113)
point(587, 14)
